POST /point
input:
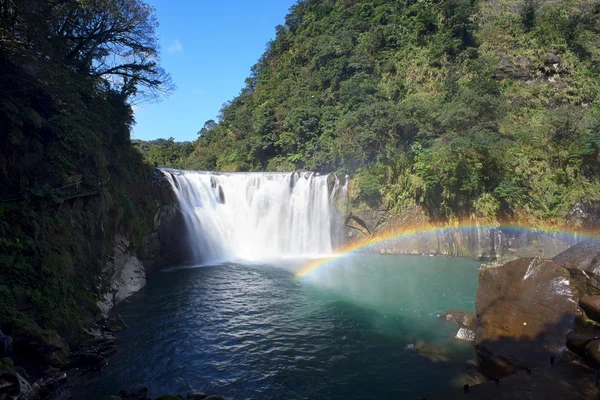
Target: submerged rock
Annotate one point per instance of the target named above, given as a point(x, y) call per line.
point(525, 310)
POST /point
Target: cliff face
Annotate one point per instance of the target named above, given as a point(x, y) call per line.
point(163, 245)
point(413, 232)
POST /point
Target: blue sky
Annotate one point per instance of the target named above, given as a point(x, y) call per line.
point(208, 47)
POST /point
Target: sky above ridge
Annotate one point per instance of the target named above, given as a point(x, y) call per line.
point(208, 47)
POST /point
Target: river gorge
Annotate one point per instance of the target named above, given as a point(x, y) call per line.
point(270, 298)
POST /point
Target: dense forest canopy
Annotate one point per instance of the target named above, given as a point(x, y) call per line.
point(69, 176)
point(461, 106)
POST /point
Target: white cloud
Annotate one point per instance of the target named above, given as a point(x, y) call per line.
point(175, 47)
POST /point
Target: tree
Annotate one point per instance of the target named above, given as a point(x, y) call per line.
point(208, 125)
point(111, 41)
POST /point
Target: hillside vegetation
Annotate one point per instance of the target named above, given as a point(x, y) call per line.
point(460, 106)
point(69, 176)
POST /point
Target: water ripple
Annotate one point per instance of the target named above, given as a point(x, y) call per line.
point(256, 332)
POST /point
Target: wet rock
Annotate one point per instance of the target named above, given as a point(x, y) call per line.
point(433, 351)
point(578, 340)
point(592, 354)
point(134, 392)
point(583, 263)
point(525, 310)
point(115, 323)
point(13, 385)
point(196, 396)
point(463, 319)
point(88, 360)
point(48, 384)
point(591, 306)
point(466, 321)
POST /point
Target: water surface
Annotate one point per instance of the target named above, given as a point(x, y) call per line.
point(258, 332)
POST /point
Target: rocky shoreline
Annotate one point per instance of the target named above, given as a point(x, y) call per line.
point(535, 313)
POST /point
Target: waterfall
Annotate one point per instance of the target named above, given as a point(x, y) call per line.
point(255, 216)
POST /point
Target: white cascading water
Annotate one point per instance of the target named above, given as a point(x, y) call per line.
point(255, 216)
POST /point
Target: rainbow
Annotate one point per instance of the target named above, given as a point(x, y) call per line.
point(570, 236)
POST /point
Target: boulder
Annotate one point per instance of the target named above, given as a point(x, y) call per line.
point(578, 340)
point(525, 310)
point(583, 263)
point(591, 306)
point(592, 354)
point(134, 392)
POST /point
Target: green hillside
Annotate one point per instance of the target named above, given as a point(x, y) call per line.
point(459, 106)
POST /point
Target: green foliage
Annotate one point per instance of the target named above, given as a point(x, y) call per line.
point(164, 153)
point(70, 178)
point(6, 364)
point(459, 106)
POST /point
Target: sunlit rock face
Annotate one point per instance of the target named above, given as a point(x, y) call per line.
point(124, 274)
point(525, 310)
point(256, 216)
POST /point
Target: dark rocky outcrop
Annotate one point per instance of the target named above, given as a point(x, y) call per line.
point(592, 354)
point(13, 385)
point(525, 310)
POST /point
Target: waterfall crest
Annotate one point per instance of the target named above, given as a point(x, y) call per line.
point(255, 216)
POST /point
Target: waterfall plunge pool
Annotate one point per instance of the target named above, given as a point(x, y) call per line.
point(256, 331)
